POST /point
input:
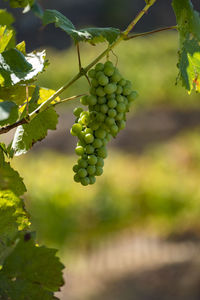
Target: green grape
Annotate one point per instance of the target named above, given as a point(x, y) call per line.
point(100, 133)
point(92, 73)
point(89, 149)
point(92, 159)
point(110, 88)
point(75, 168)
point(100, 91)
point(76, 128)
point(99, 171)
point(112, 112)
point(82, 173)
point(101, 100)
point(97, 143)
point(112, 103)
point(92, 179)
point(94, 82)
point(76, 178)
point(104, 108)
point(91, 170)
point(121, 107)
point(84, 100)
point(85, 181)
point(77, 111)
point(82, 163)
point(99, 67)
point(102, 152)
point(109, 100)
point(79, 150)
point(103, 80)
point(100, 162)
point(89, 138)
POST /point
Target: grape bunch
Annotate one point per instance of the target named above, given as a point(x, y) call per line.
point(109, 101)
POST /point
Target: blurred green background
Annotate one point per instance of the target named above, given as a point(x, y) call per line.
point(156, 189)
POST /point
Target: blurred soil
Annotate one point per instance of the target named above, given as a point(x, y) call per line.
point(136, 268)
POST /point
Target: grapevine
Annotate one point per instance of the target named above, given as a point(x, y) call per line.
point(28, 270)
point(109, 101)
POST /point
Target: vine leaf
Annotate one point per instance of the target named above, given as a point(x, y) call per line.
point(6, 18)
point(6, 36)
point(8, 112)
point(91, 35)
point(17, 68)
point(31, 270)
point(188, 21)
point(13, 218)
point(9, 178)
point(28, 134)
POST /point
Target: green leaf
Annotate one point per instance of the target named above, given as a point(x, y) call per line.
point(16, 93)
point(91, 35)
point(6, 36)
point(28, 134)
point(10, 179)
point(16, 68)
point(189, 65)
point(6, 18)
point(8, 112)
point(188, 21)
point(31, 270)
point(13, 218)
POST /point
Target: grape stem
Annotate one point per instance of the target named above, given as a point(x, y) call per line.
point(150, 32)
point(82, 71)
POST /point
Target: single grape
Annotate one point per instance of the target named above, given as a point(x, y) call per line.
point(102, 152)
point(91, 170)
point(77, 111)
point(92, 159)
point(103, 80)
point(100, 91)
point(82, 163)
point(110, 88)
point(112, 103)
point(100, 133)
point(84, 100)
point(75, 168)
point(100, 162)
point(89, 138)
point(89, 149)
point(76, 178)
point(82, 173)
point(112, 112)
point(92, 179)
point(85, 181)
point(99, 67)
point(97, 143)
point(99, 171)
point(92, 73)
point(79, 150)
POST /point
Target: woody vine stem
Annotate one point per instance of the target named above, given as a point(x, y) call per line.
point(83, 71)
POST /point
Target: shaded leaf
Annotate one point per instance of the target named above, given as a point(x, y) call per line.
point(28, 134)
point(92, 35)
point(6, 18)
point(16, 93)
point(10, 179)
point(13, 218)
point(8, 112)
point(31, 270)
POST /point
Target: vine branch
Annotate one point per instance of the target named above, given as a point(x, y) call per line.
point(149, 32)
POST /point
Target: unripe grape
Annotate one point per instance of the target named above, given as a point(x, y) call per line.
point(108, 64)
point(89, 149)
point(92, 159)
point(122, 82)
point(127, 90)
point(100, 133)
point(93, 91)
point(112, 112)
point(79, 150)
point(76, 178)
point(89, 138)
point(122, 124)
point(94, 82)
point(92, 179)
point(75, 168)
point(72, 132)
point(119, 117)
point(132, 96)
point(91, 169)
point(100, 117)
point(77, 111)
point(82, 163)
point(76, 128)
point(102, 152)
point(112, 103)
point(92, 73)
point(116, 76)
point(99, 67)
point(101, 100)
point(108, 71)
point(119, 90)
point(85, 181)
point(82, 173)
point(100, 162)
point(100, 91)
point(109, 121)
point(121, 107)
point(104, 108)
point(103, 80)
point(114, 129)
point(99, 171)
point(84, 100)
point(97, 143)
point(110, 88)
